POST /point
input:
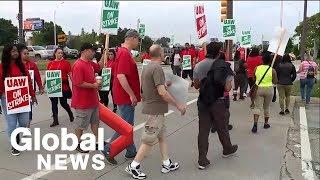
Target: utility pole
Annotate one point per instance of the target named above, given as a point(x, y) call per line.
point(304, 31)
point(229, 43)
point(20, 19)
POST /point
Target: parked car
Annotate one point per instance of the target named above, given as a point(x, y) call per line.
point(50, 49)
point(38, 52)
point(70, 53)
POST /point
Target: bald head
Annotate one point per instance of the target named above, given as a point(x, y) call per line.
point(156, 51)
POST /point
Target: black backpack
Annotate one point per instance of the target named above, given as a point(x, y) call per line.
point(310, 71)
point(212, 87)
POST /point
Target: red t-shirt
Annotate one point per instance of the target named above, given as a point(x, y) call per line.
point(65, 68)
point(96, 66)
point(201, 55)
point(125, 64)
point(193, 54)
point(15, 72)
point(30, 65)
point(83, 98)
point(252, 63)
point(145, 56)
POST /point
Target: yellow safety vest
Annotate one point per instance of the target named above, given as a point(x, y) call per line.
point(267, 80)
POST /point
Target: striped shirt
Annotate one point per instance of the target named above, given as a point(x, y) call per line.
point(304, 66)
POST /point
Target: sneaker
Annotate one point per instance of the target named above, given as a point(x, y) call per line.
point(204, 166)
point(81, 150)
point(213, 130)
point(171, 167)
point(266, 126)
point(15, 152)
point(135, 172)
point(130, 157)
point(281, 113)
point(287, 111)
point(230, 152)
point(109, 159)
point(241, 98)
point(230, 127)
point(254, 129)
point(245, 95)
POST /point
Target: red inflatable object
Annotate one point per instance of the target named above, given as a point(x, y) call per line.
point(120, 126)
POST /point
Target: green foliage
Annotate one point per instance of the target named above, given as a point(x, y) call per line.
point(290, 46)
point(313, 30)
point(8, 32)
point(164, 41)
point(46, 35)
point(314, 93)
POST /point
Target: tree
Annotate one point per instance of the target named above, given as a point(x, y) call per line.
point(163, 41)
point(8, 32)
point(146, 43)
point(290, 46)
point(46, 35)
point(313, 30)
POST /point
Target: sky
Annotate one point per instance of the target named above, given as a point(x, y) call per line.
point(166, 18)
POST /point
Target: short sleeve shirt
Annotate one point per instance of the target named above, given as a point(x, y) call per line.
point(83, 98)
point(152, 102)
point(65, 68)
point(125, 64)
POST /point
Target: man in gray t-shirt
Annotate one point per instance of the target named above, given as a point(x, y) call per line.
point(216, 113)
point(155, 100)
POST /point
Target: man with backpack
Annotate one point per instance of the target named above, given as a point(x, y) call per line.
point(213, 76)
point(308, 73)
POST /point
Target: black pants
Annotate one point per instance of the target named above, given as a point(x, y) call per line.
point(251, 82)
point(63, 103)
point(239, 82)
point(217, 115)
point(177, 70)
point(104, 98)
point(186, 73)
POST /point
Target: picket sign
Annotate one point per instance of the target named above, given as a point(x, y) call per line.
point(186, 62)
point(201, 23)
point(54, 83)
point(17, 94)
point(106, 79)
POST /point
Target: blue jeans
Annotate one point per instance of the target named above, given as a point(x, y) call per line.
point(127, 113)
point(14, 119)
point(305, 94)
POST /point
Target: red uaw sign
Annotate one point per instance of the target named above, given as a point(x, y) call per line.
point(201, 22)
point(17, 95)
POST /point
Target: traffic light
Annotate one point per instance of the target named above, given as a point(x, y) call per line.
point(224, 7)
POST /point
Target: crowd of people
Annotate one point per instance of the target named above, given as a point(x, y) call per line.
point(211, 74)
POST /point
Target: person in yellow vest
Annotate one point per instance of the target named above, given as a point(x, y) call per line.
point(264, 77)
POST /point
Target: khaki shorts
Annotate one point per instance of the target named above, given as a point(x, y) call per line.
point(85, 117)
point(153, 129)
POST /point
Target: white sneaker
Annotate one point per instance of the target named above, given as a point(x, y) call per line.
point(171, 167)
point(245, 95)
point(135, 172)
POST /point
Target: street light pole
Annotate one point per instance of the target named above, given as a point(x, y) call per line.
point(54, 24)
point(304, 31)
point(20, 18)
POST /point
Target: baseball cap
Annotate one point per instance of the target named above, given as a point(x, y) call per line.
point(132, 33)
point(85, 46)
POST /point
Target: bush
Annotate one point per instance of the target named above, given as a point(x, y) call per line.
point(315, 91)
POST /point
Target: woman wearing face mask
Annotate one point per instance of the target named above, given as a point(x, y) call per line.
point(12, 66)
point(59, 63)
point(30, 66)
point(104, 95)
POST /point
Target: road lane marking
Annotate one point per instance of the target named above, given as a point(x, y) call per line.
point(42, 173)
point(306, 158)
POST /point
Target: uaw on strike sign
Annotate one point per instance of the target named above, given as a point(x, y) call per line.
point(201, 22)
point(17, 94)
